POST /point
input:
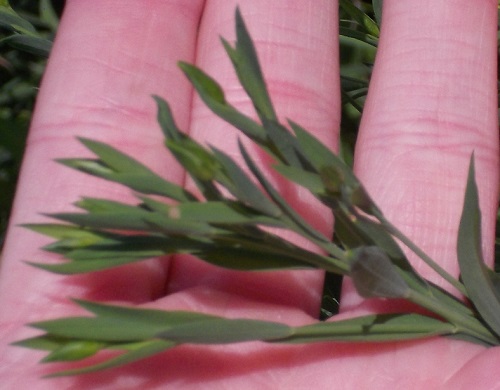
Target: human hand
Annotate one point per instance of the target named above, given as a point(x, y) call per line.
point(432, 101)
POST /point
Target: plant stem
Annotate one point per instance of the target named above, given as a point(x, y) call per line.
point(394, 231)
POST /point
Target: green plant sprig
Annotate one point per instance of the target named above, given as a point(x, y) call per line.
point(225, 228)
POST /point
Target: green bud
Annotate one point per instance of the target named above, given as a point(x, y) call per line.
point(375, 276)
point(73, 350)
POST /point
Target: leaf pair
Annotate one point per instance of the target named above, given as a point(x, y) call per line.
point(140, 333)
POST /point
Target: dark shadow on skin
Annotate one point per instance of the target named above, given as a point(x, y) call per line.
point(135, 283)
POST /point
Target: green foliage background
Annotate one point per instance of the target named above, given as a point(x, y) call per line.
point(21, 69)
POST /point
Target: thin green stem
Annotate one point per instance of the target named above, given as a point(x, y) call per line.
point(333, 262)
point(394, 231)
point(329, 247)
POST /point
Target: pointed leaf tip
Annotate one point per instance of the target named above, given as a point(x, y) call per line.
point(475, 274)
point(208, 89)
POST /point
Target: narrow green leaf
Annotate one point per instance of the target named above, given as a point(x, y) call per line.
point(264, 252)
point(367, 23)
point(118, 167)
point(308, 180)
point(246, 64)
point(338, 178)
point(367, 228)
point(470, 339)
point(495, 279)
point(106, 214)
point(346, 149)
point(166, 120)
point(30, 44)
point(313, 150)
point(131, 246)
point(347, 99)
point(115, 252)
point(358, 36)
point(348, 233)
point(65, 232)
point(372, 328)
point(117, 323)
point(350, 84)
point(9, 19)
point(177, 227)
point(475, 275)
point(113, 158)
point(377, 10)
point(208, 89)
point(135, 220)
point(151, 317)
point(256, 256)
point(198, 161)
point(140, 180)
point(99, 329)
point(268, 252)
point(397, 234)
point(99, 205)
point(194, 155)
point(81, 267)
point(225, 331)
point(213, 212)
point(209, 92)
point(243, 188)
point(240, 257)
point(45, 343)
point(48, 14)
point(284, 145)
point(301, 225)
point(152, 184)
point(91, 166)
point(202, 177)
point(374, 275)
point(343, 187)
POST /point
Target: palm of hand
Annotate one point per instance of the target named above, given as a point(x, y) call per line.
point(303, 71)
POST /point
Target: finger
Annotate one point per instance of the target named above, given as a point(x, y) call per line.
point(108, 58)
point(432, 102)
point(298, 50)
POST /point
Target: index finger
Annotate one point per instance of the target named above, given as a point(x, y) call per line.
point(108, 58)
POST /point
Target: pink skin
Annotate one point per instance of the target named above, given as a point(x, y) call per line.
point(432, 101)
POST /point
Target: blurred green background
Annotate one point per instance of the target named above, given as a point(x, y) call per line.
point(25, 39)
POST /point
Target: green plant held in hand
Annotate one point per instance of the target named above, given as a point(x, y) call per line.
point(227, 228)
